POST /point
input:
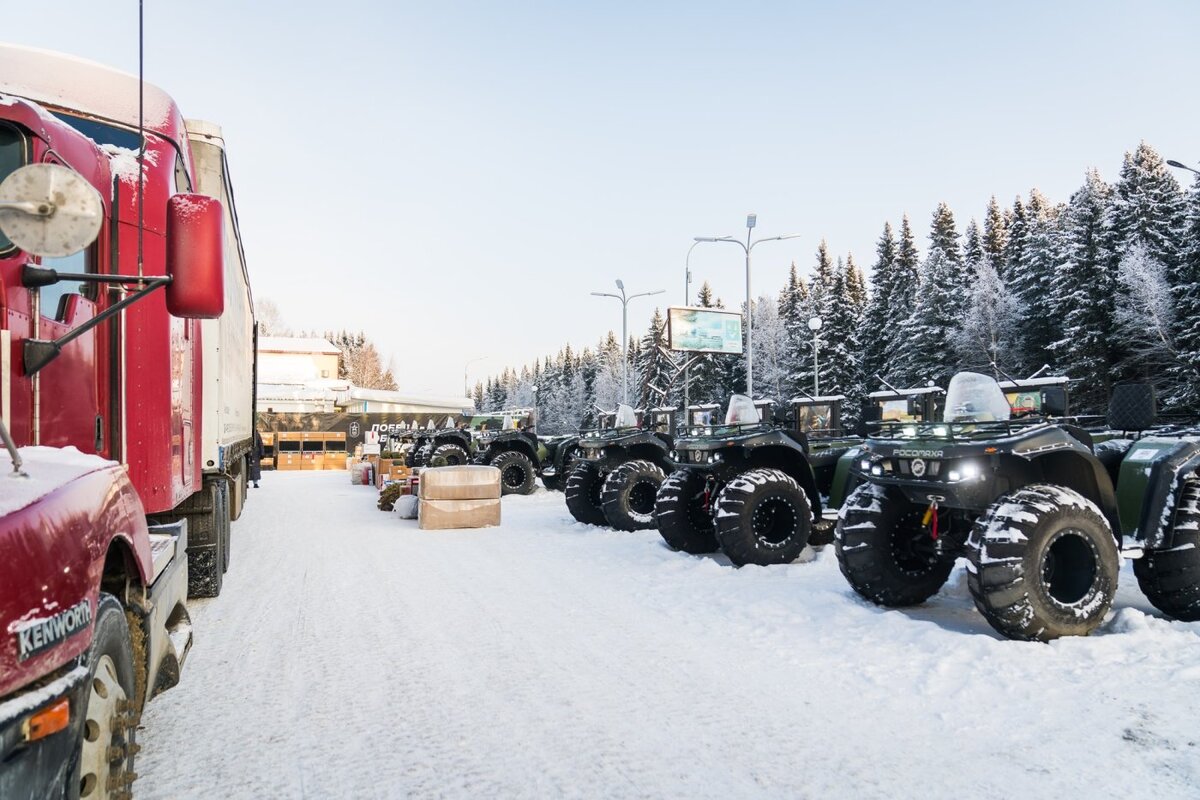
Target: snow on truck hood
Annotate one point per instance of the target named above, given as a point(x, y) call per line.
point(48, 468)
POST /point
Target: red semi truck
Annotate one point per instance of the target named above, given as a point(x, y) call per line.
point(124, 309)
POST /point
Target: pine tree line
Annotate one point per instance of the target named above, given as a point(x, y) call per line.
point(1104, 288)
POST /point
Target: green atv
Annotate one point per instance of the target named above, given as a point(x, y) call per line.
point(1036, 505)
point(752, 488)
point(618, 471)
point(556, 456)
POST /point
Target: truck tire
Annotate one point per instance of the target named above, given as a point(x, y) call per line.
point(107, 734)
point(762, 517)
point(1170, 578)
point(449, 455)
point(1044, 564)
point(628, 493)
point(583, 494)
point(516, 473)
point(204, 564)
point(886, 553)
point(684, 520)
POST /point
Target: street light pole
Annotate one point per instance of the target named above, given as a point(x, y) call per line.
point(625, 331)
point(687, 301)
point(814, 325)
point(1177, 165)
point(748, 247)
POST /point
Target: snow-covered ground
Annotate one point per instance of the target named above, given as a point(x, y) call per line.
point(351, 655)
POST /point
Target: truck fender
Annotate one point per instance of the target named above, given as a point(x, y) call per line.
point(1084, 473)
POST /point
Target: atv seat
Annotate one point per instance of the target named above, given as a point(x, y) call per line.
point(1111, 453)
point(799, 437)
point(1131, 407)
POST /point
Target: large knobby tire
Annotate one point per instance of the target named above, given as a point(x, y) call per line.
point(556, 482)
point(1170, 578)
point(449, 455)
point(205, 575)
point(517, 475)
point(107, 734)
point(683, 513)
point(583, 493)
point(627, 496)
point(1044, 564)
point(886, 553)
point(763, 517)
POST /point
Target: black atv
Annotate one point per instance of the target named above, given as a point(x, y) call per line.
point(750, 487)
point(556, 457)
point(514, 453)
point(617, 473)
point(448, 447)
point(1036, 506)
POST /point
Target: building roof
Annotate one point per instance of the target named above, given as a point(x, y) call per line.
point(296, 344)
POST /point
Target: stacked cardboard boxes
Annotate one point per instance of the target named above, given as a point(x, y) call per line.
point(309, 450)
point(459, 497)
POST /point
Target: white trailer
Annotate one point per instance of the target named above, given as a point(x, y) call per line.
point(229, 342)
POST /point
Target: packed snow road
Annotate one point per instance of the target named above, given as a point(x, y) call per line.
point(351, 655)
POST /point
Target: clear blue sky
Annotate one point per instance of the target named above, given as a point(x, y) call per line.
point(454, 178)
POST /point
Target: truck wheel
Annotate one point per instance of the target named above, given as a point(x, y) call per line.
point(583, 494)
point(1044, 564)
point(106, 738)
point(449, 455)
point(516, 473)
point(628, 493)
point(684, 520)
point(763, 517)
point(204, 563)
point(1170, 578)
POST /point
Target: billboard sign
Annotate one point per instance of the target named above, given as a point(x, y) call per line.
point(704, 330)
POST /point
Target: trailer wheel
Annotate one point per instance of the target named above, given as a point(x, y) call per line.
point(1044, 564)
point(682, 512)
point(628, 493)
point(516, 473)
point(1170, 578)
point(104, 760)
point(449, 455)
point(583, 493)
point(204, 563)
point(884, 549)
point(763, 517)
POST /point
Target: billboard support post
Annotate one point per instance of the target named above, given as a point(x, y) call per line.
point(625, 331)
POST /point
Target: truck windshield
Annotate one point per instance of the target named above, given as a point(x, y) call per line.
point(102, 132)
point(13, 154)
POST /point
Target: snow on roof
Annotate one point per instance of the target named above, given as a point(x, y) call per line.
point(907, 392)
point(1032, 383)
point(829, 398)
point(86, 86)
point(386, 396)
point(296, 344)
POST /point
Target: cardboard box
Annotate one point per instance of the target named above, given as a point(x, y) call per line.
point(439, 515)
point(466, 482)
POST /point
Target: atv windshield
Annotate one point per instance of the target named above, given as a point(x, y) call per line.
point(626, 417)
point(741, 411)
point(973, 397)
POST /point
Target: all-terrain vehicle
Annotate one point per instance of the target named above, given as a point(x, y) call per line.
point(752, 487)
point(619, 469)
point(556, 457)
point(515, 453)
point(1036, 506)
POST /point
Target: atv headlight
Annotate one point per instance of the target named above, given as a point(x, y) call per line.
point(674, 456)
point(876, 470)
point(909, 431)
point(865, 464)
point(966, 471)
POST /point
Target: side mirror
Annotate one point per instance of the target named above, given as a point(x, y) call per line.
point(49, 210)
point(1054, 401)
point(916, 407)
point(195, 257)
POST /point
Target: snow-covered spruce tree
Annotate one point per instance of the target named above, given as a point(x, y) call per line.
point(794, 312)
point(972, 245)
point(771, 369)
point(606, 389)
point(840, 354)
point(1033, 283)
point(821, 284)
point(903, 300)
point(1185, 281)
point(1014, 249)
point(928, 331)
point(990, 327)
point(995, 234)
point(654, 372)
point(707, 376)
point(880, 312)
point(1083, 297)
point(1147, 206)
point(1145, 315)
